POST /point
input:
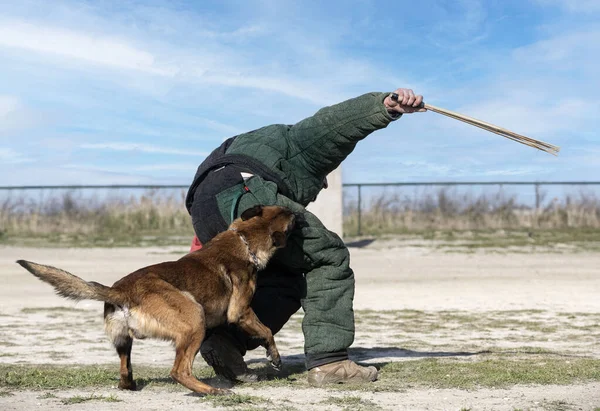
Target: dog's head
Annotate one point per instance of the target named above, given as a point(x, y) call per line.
point(266, 229)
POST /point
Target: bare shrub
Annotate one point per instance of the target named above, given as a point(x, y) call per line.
point(73, 213)
point(446, 209)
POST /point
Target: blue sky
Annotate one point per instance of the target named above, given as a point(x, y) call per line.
point(139, 92)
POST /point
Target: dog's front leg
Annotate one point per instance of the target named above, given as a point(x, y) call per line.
point(250, 323)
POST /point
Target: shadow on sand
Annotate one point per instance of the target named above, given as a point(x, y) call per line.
point(294, 364)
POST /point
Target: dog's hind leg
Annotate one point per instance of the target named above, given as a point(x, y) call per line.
point(124, 350)
point(115, 325)
point(176, 316)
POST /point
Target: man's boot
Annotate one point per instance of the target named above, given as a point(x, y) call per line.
point(221, 353)
point(345, 371)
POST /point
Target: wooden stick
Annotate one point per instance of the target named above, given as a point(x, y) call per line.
point(540, 145)
point(489, 127)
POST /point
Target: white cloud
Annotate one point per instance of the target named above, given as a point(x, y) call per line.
point(583, 6)
point(575, 50)
point(99, 50)
point(143, 148)
point(10, 156)
point(8, 104)
point(535, 117)
point(201, 65)
point(215, 61)
point(15, 115)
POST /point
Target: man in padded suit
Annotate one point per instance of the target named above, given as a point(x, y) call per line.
point(287, 165)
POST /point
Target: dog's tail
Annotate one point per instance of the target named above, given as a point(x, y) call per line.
point(70, 286)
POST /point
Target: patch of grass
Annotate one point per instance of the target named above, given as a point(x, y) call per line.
point(46, 396)
point(235, 400)
point(78, 399)
point(6, 394)
point(500, 372)
point(352, 403)
point(48, 377)
point(64, 339)
point(505, 370)
point(528, 323)
point(558, 406)
point(56, 355)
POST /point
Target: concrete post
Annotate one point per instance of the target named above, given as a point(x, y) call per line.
point(328, 206)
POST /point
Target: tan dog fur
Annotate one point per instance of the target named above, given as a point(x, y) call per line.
point(179, 300)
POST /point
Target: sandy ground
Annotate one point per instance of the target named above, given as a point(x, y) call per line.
point(389, 276)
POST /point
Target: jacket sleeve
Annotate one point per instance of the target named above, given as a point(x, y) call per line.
point(334, 131)
point(319, 144)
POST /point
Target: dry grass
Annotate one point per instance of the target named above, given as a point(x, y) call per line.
point(122, 218)
point(72, 214)
point(446, 209)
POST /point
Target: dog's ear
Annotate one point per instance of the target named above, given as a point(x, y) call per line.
point(255, 211)
point(279, 239)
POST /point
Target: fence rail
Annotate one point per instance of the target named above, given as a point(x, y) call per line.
point(536, 185)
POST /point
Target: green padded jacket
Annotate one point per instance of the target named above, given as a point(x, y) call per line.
point(301, 156)
point(304, 153)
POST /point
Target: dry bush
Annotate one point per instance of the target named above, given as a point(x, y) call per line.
point(74, 213)
point(448, 210)
point(162, 212)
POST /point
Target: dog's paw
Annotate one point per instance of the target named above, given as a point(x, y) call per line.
point(275, 363)
point(127, 385)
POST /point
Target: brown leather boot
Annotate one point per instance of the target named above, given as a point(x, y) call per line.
point(345, 371)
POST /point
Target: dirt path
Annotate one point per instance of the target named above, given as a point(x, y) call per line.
point(464, 301)
point(416, 278)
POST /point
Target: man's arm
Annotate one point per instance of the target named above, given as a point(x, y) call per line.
point(344, 124)
point(318, 144)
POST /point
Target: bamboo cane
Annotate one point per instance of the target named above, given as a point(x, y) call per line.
point(519, 138)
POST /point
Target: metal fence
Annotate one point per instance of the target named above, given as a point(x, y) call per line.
point(535, 189)
point(356, 193)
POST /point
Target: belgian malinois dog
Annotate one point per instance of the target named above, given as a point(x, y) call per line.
point(179, 300)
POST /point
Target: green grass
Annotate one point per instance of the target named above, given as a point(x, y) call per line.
point(533, 321)
point(78, 399)
point(47, 377)
point(491, 373)
point(46, 396)
point(354, 403)
point(235, 400)
point(503, 370)
point(558, 406)
point(5, 394)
